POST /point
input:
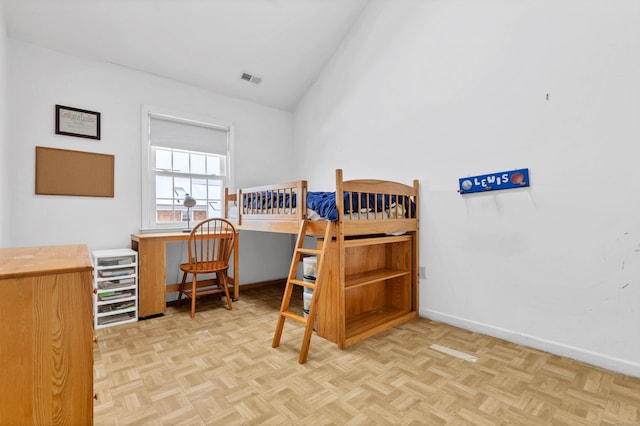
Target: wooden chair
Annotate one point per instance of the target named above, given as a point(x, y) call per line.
point(210, 246)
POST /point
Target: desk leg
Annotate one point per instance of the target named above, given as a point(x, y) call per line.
point(236, 283)
point(152, 280)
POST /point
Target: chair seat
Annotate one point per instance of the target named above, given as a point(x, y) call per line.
point(204, 267)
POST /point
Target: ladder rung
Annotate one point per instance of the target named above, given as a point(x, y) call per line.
point(303, 283)
point(308, 251)
point(296, 317)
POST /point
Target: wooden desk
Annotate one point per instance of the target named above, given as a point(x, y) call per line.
point(152, 267)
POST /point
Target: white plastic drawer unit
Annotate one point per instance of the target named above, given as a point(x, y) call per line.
point(115, 287)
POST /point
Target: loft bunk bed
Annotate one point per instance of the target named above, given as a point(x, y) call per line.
point(370, 281)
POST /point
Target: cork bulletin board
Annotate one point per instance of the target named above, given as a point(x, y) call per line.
point(66, 172)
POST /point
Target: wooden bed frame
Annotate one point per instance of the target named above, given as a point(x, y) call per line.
point(268, 219)
point(282, 219)
point(371, 278)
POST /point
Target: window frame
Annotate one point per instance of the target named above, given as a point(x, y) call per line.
point(148, 174)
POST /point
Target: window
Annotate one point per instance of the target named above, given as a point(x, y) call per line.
point(183, 156)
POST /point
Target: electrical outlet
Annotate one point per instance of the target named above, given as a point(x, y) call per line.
point(422, 273)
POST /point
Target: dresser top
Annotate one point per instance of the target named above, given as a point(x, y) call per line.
point(29, 261)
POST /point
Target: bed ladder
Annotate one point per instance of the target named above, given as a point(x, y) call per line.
point(298, 254)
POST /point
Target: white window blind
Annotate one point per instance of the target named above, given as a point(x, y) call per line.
point(190, 136)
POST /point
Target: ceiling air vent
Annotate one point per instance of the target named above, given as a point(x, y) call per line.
point(251, 78)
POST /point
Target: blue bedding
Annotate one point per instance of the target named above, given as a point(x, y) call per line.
point(269, 200)
point(324, 203)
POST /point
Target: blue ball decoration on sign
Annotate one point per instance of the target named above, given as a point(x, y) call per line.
point(494, 181)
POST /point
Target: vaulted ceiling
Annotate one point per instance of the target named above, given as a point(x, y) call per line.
point(206, 43)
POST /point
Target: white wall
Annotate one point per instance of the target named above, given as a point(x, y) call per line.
point(437, 90)
point(4, 161)
point(40, 78)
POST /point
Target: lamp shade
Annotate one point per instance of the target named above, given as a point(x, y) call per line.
point(189, 201)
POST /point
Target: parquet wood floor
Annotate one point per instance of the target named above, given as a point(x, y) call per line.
point(220, 369)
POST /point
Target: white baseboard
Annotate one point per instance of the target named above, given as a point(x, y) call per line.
point(597, 359)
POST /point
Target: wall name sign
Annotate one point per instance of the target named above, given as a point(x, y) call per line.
point(494, 181)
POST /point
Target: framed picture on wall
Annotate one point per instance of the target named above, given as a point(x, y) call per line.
point(77, 122)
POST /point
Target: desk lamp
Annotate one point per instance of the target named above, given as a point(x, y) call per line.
point(188, 202)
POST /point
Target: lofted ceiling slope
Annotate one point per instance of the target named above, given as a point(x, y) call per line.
point(206, 43)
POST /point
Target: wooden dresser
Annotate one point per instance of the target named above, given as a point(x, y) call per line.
point(46, 336)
